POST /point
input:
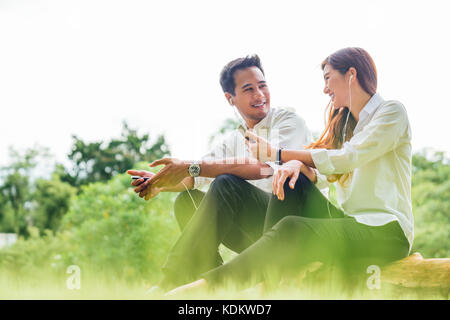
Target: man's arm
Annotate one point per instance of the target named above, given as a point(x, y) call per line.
point(175, 170)
point(245, 168)
point(175, 173)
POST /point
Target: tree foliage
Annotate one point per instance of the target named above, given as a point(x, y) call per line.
point(16, 189)
point(27, 199)
point(100, 161)
point(431, 204)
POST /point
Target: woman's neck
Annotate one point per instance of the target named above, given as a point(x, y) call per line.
point(359, 100)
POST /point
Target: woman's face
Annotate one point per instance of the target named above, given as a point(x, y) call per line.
point(336, 86)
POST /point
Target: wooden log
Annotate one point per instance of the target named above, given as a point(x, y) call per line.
point(416, 272)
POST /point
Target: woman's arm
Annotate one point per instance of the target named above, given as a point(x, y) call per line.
point(378, 137)
point(262, 150)
point(300, 155)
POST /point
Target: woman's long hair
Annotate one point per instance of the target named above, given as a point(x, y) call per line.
point(366, 73)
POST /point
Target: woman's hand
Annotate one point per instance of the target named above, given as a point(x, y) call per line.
point(290, 169)
point(260, 148)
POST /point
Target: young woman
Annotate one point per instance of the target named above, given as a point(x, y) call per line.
point(366, 150)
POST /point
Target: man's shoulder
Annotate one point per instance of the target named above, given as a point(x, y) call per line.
point(286, 115)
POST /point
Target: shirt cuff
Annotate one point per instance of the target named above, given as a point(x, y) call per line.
point(200, 182)
point(321, 182)
point(322, 161)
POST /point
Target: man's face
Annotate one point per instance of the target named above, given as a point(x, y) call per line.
point(252, 96)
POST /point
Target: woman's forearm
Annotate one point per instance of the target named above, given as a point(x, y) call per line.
point(301, 155)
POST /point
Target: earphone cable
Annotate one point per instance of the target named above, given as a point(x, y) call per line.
point(349, 111)
point(192, 199)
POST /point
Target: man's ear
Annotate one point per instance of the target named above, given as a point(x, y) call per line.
point(229, 98)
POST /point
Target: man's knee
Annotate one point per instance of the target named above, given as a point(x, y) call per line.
point(226, 180)
point(184, 207)
point(181, 200)
point(301, 183)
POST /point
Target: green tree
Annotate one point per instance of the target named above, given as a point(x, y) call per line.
point(51, 199)
point(16, 189)
point(431, 205)
point(100, 161)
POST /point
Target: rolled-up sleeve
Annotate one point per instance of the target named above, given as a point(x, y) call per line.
point(218, 152)
point(321, 182)
point(379, 136)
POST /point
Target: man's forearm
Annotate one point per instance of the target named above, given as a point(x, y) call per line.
point(246, 168)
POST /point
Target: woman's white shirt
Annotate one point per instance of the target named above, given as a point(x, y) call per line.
point(378, 156)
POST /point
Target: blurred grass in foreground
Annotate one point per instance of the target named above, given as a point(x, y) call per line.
point(97, 286)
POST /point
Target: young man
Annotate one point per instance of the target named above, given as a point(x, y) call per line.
point(233, 210)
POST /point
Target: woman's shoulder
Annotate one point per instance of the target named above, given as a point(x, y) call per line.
point(394, 108)
point(394, 105)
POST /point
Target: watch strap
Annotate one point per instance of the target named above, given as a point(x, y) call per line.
point(279, 156)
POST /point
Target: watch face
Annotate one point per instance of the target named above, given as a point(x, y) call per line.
point(194, 170)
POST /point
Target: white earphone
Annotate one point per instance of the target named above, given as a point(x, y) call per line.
point(344, 134)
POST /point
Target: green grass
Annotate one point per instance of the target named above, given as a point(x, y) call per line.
point(94, 286)
point(47, 283)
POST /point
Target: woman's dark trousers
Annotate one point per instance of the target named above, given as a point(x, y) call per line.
point(305, 227)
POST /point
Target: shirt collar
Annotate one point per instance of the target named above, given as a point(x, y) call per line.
point(370, 107)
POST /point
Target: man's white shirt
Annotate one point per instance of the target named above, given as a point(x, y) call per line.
point(379, 157)
point(282, 128)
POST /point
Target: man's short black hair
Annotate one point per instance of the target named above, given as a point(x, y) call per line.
point(227, 74)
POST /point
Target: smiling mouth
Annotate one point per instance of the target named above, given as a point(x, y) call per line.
point(261, 105)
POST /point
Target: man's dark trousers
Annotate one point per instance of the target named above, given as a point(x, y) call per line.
point(232, 212)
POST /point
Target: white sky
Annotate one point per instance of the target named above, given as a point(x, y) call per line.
point(81, 67)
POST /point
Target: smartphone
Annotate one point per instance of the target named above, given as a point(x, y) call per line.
point(138, 177)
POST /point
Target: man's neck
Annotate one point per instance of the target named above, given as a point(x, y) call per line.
point(251, 124)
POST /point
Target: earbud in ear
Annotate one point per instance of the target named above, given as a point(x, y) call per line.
point(229, 100)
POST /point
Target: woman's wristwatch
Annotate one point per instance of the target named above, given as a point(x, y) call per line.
point(278, 161)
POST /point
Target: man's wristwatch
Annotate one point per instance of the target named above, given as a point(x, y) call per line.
point(194, 169)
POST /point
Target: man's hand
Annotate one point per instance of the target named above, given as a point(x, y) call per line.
point(260, 148)
point(173, 173)
point(144, 188)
